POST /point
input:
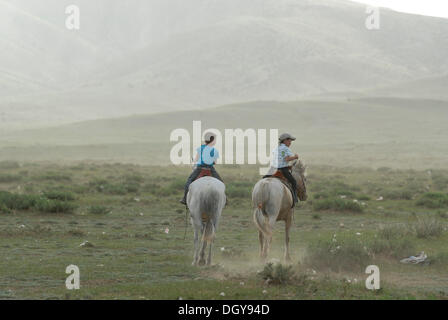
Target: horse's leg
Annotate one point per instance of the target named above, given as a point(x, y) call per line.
point(196, 245)
point(202, 253)
point(209, 258)
point(266, 244)
point(287, 228)
point(203, 247)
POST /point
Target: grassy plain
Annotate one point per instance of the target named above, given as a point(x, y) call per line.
point(130, 215)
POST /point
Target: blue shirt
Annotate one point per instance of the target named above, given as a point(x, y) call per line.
point(207, 155)
point(278, 156)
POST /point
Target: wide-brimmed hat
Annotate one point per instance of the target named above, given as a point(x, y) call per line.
point(208, 136)
point(285, 136)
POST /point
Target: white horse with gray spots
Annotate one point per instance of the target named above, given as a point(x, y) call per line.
point(206, 199)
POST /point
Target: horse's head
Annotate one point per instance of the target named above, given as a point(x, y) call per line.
point(299, 173)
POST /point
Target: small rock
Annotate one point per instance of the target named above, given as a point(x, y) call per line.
point(86, 244)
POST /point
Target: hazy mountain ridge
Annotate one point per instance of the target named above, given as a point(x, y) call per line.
point(153, 56)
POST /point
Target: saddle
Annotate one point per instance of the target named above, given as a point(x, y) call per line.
point(205, 172)
point(279, 175)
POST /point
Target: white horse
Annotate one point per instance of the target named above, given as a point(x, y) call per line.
point(206, 199)
point(272, 202)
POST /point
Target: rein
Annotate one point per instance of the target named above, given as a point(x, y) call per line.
point(186, 222)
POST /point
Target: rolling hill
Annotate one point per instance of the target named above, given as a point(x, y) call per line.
point(156, 56)
point(363, 132)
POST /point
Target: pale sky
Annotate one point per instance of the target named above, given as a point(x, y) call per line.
point(436, 8)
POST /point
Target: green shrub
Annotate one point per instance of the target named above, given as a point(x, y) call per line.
point(4, 209)
point(277, 274)
point(98, 210)
point(54, 206)
point(440, 182)
point(59, 195)
point(340, 205)
point(132, 187)
point(363, 197)
point(433, 200)
point(13, 201)
point(114, 189)
point(443, 215)
point(428, 228)
point(54, 176)
point(406, 194)
point(390, 232)
point(16, 201)
point(396, 248)
point(440, 259)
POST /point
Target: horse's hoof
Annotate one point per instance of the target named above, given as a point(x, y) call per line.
point(201, 263)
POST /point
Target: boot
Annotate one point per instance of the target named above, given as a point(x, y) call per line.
point(296, 199)
point(184, 200)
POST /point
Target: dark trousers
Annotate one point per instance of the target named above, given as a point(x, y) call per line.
point(291, 179)
point(196, 173)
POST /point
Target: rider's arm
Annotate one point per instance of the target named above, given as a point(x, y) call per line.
point(294, 157)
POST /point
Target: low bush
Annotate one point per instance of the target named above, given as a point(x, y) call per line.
point(336, 255)
point(54, 176)
point(433, 200)
point(54, 206)
point(277, 274)
point(427, 228)
point(11, 201)
point(396, 248)
point(59, 195)
point(98, 210)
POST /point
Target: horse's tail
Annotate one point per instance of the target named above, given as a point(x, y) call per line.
point(261, 217)
point(209, 208)
point(209, 232)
